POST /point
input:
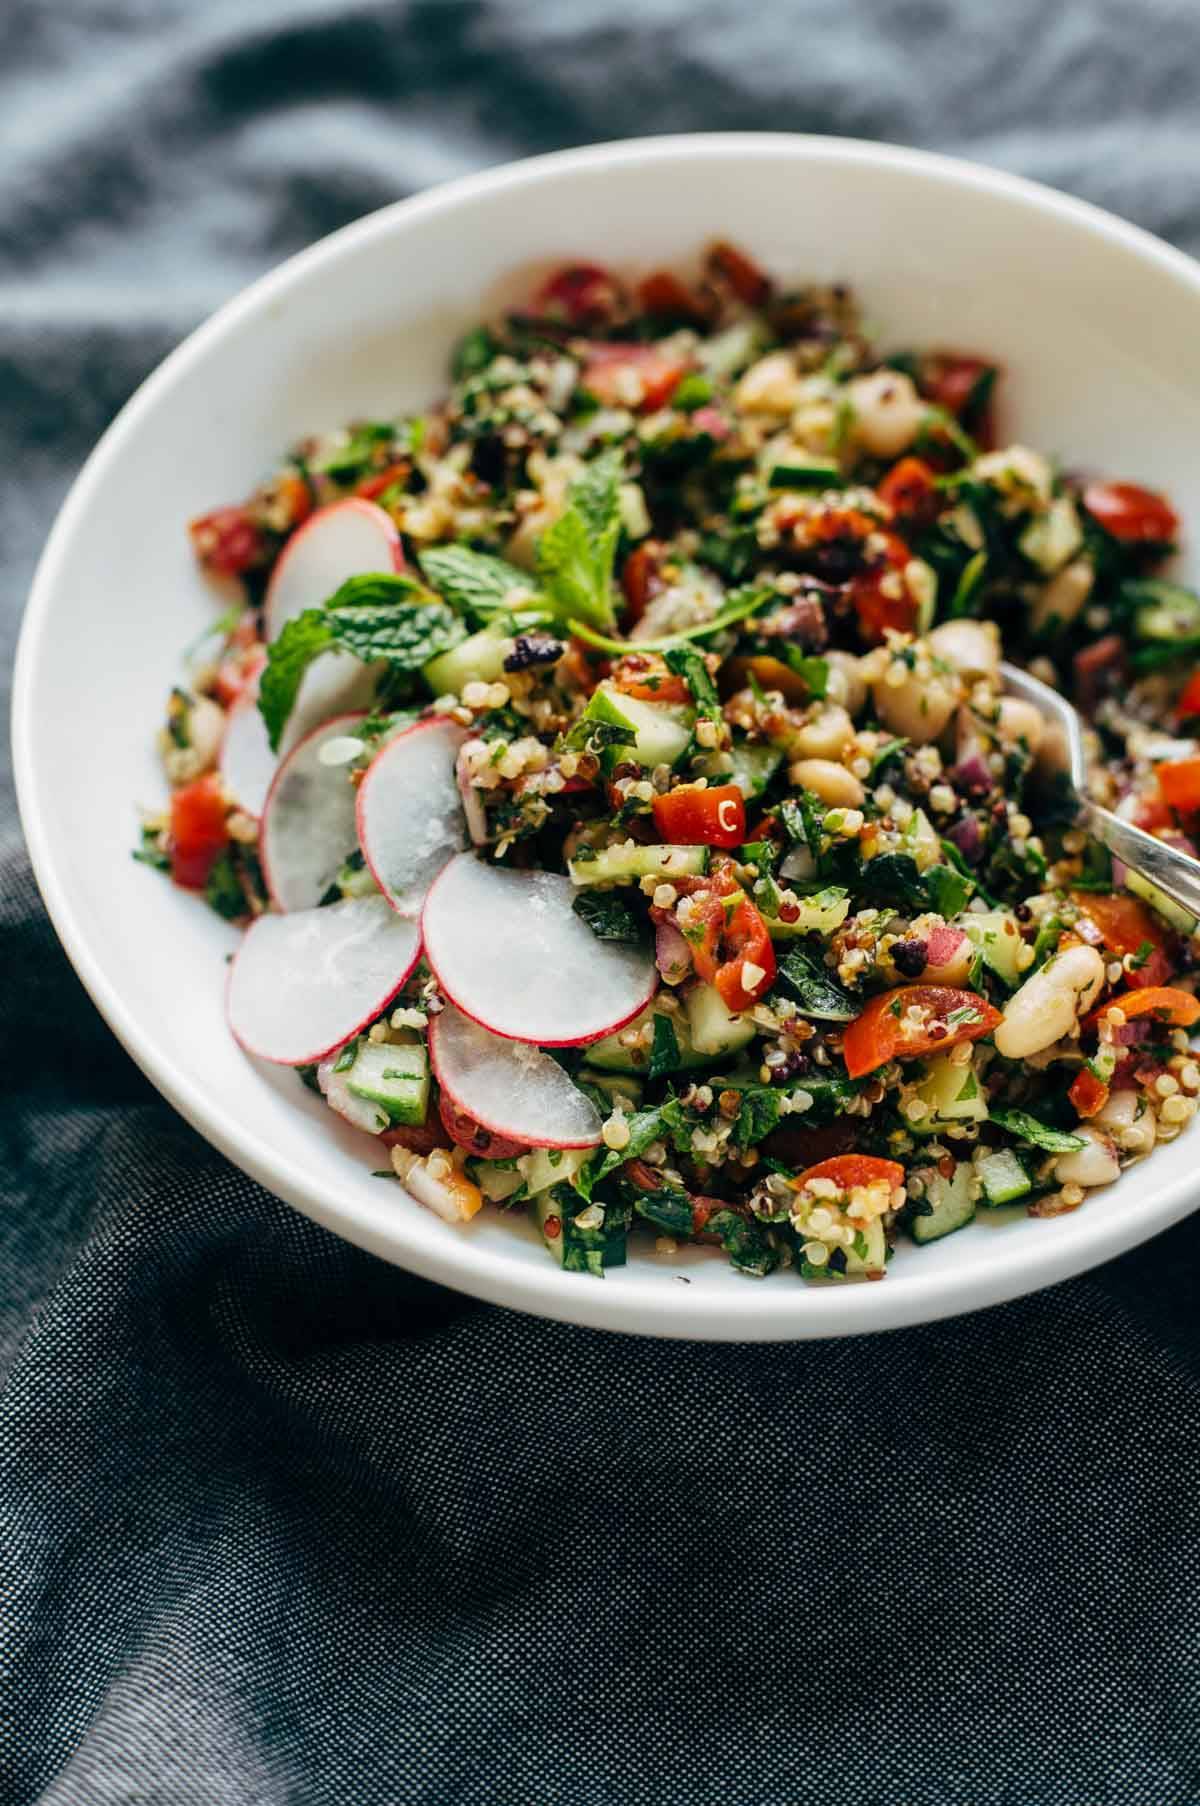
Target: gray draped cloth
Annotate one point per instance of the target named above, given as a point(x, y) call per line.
point(281, 1524)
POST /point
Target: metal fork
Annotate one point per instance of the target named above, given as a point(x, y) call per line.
point(1174, 873)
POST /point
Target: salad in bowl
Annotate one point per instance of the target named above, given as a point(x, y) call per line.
point(612, 770)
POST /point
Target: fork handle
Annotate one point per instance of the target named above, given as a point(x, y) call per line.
point(1174, 873)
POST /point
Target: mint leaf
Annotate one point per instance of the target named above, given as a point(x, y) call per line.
point(304, 637)
point(475, 582)
point(806, 977)
point(392, 618)
point(575, 555)
point(689, 664)
point(610, 917)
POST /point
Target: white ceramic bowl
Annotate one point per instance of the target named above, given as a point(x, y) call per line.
point(1097, 325)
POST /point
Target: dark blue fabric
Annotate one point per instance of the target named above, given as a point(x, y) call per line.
point(280, 1524)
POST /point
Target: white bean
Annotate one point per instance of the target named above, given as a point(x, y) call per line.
point(832, 783)
point(1095, 1164)
point(887, 412)
point(771, 386)
point(1017, 719)
point(205, 729)
point(845, 675)
point(971, 647)
point(1063, 596)
point(825, 736)
point(1130, 1121)
point(1046, 1006)
point(917, 708)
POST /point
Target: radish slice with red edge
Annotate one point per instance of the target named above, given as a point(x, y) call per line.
point(308, 829)
point(246, 762)
point(509, 1088)
point(351, 538)
point(410, 815)
point(509, 950)
point(301, 984)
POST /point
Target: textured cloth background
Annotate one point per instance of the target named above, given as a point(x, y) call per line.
point(280, 1524)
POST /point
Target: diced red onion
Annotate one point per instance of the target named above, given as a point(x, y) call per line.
point(1131, 1034)
point(968, 838)
point(672, 955)
point(710, 420)
point(972, 774)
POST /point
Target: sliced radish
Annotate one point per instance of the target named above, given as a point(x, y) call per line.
point(509, 950)
point(247, 763)
point(352, 538)
point(509, 1088)
point(302, 984)
point(308, 822)
point(468, 1132)
point(410, 816)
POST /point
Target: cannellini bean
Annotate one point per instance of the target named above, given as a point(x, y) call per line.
point(1129, 1120)
point(1047, 1005)
point(971, 647)
point(771, 386)
point(1095, 1164)
point(206, 729)
point(825, 736)
point(847, 684)
point(1017, 719)
point(832, 783)
point(916, 707)
point(1063, 596)
point(887, 412)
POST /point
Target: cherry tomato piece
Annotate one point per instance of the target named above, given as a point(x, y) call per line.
point(726, 933)
point(910, 490)
point(228, 542)
point(742, 274)
point(197, 836)
point(1188, 705)
point(472, 1135)
point(941, 1016)
point(372, 487)
point(642, 579)
point(580, 294)
point(1127, 926)
point(875, 607)
point(1172, 1007)
point(1088, 1093)
point(616, 372)
point(1131, 513)
point(1180, 784)
point(849, 1170)
point(702, 818)
point(664, 294)
point(645, 676)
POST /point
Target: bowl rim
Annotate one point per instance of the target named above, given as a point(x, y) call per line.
point(543, 1289)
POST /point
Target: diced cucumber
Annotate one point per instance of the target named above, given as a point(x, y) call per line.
point(1004, 1178)
point(1166, 611)
point(1166, 906)
point(715, 1029)
point(614, 1054)
point(809, 473)
point(496, 1179)
point(728, 353)
point(951, 1093)
point(662, 730)
point(543, 1167)
point(477, 659)
point(953, 1206)
point(612, 1084)
point(1053, 537)
point(876, 1253)
point(821, 913)
point(627, 863)
point(395, 1078)
point(581, 1247)
point(997, 938)
point(754, 767)
point(920, 839)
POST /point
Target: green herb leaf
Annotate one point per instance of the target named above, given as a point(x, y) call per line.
point(948, 890)
point(969, 585)
point(303, 638)
point(802, 816)
point(738, 605)
point(814, 672)
point(224, 892)
point(808, 980)
point(893, 878)
point(645, 1127)
point(610, 917)
point(689, 664)
point(477, 583)
point(575, 555)
point(664, 1053)
point(744, 1242)
point(473, 353)
point(759, 1114)
point(1038, 1134)
point(669, 1210)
